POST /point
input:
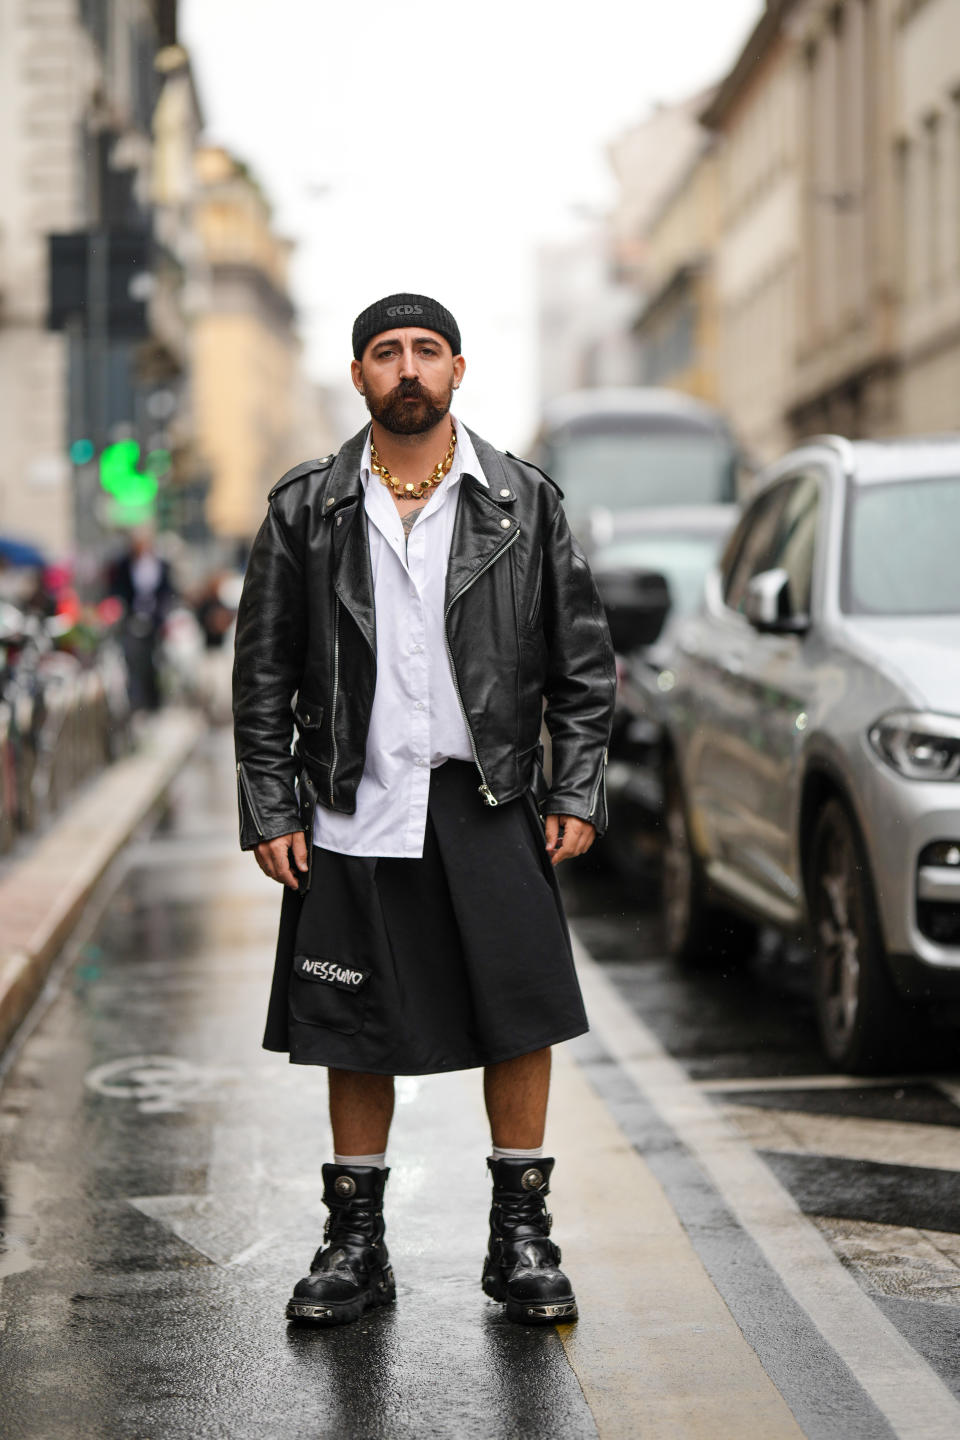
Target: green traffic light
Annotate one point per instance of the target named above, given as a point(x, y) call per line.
point(121, 478)
point(81, 452)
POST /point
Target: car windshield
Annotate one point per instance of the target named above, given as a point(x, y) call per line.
point(621, 470)
point(683, 559)
point(900, 555)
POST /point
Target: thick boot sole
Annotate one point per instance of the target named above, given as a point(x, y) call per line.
point(382, 1291)
point(559, 1311)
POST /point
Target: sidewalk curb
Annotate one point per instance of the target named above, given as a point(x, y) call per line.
point(42, 895)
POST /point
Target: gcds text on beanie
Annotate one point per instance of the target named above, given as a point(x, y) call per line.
point(402, 311)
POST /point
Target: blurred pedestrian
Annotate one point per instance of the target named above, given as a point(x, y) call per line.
point(141, 580)
point(215, 609)
point(420, 595)
point(213, 616)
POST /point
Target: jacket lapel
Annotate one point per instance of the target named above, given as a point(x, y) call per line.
point(481, 531)
point(346, 516)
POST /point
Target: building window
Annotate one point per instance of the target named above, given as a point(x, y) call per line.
point(955, 180)
point(934, 187)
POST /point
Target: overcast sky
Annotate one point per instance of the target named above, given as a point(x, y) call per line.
point(432, 146)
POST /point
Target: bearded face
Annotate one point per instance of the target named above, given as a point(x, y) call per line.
point(410, 407)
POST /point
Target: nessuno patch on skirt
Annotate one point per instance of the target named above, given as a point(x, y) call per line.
point(330, 972)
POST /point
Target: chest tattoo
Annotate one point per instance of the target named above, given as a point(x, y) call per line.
point(407, 521)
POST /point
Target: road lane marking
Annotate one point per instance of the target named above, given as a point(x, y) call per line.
point(950, 1088)
point(848, 1137)
point(763, 1084)
point(656, 1350)
point(904, 1388)
point(158, 1084)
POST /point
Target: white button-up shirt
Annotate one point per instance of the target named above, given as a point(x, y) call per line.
point(416, 722)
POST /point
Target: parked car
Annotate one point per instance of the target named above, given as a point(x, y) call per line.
point(811, 714)
point(617, 449)
point(650, 577)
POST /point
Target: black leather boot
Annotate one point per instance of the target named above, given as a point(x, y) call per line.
point(522, 1264)
point(351, 1272)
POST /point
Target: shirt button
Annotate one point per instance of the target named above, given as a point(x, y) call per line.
point(419, 705)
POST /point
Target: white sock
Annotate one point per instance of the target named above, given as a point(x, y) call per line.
point(380, 1161)
point(503, 1152)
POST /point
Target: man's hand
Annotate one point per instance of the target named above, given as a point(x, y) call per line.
point(273, 857)
point(567, 836)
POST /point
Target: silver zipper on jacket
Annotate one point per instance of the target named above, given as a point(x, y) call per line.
point(245, 797)
point(488, 796)
point(336, 687)
point(601, 780)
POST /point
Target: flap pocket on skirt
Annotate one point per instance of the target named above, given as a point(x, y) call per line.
point(328, 992)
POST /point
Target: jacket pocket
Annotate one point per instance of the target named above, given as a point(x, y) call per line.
point(328, 992)
point(308, 714)
point(530, 622)
point(313, 741)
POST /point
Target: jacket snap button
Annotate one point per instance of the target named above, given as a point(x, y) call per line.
point(505, 494)
point(504, 524)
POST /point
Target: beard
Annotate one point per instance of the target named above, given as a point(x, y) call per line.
point(409, 409)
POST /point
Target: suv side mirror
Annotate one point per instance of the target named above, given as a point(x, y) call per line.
point(637, 603)
point(767, 605)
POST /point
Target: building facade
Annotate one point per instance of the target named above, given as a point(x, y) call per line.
point(754, 117)
point(676, 329)
point(820, 229)
point(926, 52)
point(77, 92)
point(248, 390)
point(847, 360)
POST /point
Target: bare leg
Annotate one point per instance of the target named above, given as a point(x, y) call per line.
point(516, 1093)
point(361, 1108)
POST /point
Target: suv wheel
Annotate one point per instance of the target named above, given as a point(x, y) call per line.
point(695, 931)
point(862, 1022)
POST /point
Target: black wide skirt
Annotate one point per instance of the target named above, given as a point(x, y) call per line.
point(410, 967)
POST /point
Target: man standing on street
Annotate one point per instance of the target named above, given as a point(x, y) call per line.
point(416, 599)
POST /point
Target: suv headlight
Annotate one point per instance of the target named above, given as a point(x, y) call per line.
point(918, 745)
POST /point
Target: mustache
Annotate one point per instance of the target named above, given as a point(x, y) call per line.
point(409, 390)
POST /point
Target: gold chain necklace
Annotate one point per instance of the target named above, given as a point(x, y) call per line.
point(409, 491)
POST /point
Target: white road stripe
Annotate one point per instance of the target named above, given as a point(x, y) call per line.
point(764, 1083)
point(848, 1137)
point(901, 1384)
point(950, 1088)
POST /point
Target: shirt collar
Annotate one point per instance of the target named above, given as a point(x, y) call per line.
point(465, 460)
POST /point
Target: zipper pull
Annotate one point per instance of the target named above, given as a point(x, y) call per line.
point(488, 796)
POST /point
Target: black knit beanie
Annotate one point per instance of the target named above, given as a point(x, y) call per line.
point(400, 311)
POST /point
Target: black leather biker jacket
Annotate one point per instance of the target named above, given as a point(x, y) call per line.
point(523, 623)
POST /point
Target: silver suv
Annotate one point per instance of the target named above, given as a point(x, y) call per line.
point(812, 723)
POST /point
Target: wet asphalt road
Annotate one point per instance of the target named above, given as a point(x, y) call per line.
point(159, 1173)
